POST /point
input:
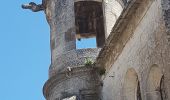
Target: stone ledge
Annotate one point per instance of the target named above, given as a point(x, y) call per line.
point(77, 72)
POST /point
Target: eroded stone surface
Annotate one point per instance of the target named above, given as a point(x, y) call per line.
point(142, 46)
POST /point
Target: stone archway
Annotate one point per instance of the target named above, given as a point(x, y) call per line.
point(153, 91)
point(131, 88)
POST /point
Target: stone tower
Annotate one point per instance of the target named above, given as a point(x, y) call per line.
point(72, 73)
point(69, 75)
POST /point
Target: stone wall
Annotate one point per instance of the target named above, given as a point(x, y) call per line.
point(61, 18)
point(166, 17)
point(82, 82)
point(136, 54)
point(73, 58)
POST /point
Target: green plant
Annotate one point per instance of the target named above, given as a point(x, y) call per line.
point(89, 62)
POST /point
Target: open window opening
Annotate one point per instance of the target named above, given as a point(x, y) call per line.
point(89, 24)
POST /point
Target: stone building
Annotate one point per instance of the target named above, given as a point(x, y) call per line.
point(131, 60)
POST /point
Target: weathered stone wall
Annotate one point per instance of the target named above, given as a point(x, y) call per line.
point(73, 58)
point(60, 15)
point(137, 55)
point(82, 82)
point(166, 17)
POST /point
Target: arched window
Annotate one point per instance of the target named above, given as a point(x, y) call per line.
point(131, 88)
point(154, 81)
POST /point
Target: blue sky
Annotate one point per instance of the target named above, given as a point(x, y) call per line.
point(24, 51)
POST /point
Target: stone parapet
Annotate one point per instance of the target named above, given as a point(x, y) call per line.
point(73, 58)
point(79, 82)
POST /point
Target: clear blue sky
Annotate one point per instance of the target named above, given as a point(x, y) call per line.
point(24, 51)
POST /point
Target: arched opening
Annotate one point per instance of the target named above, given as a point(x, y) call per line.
point(131, 87)
point(154, 81)
point(89, 22)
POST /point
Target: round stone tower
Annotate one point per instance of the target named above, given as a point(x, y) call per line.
point(71, 73)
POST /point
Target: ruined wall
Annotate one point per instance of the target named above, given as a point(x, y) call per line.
point(136, 57)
